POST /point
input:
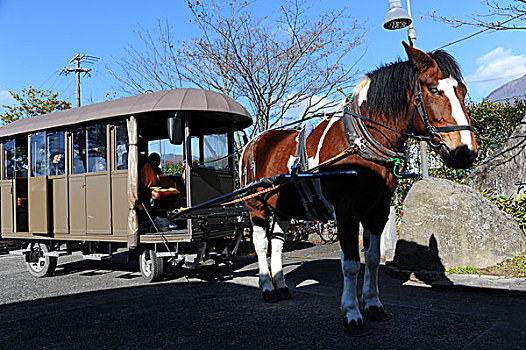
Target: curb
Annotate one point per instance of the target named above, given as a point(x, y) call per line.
point(444, 279)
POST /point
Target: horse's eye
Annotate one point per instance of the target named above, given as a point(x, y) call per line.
point(435, 91)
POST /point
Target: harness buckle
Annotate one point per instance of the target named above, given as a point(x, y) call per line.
point(432, 135)
point(360, 144)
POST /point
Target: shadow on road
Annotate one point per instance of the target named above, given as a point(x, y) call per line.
point(212, 314)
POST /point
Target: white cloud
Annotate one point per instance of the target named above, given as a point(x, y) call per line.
point(5, 98)
point(494, 69)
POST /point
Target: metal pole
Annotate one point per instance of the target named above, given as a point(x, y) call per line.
point(411, 35)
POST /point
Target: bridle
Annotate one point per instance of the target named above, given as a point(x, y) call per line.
point(432, 132)
point(358, 134)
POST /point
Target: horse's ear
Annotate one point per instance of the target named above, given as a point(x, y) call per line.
point(419, 58)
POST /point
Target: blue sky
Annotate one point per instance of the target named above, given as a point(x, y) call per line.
point(38, 38)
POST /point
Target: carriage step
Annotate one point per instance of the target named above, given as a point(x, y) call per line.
point(19, 252)
point(97, 256)
point(166, 254)
point(56, 253)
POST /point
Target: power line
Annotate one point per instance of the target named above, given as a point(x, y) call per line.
point(479, 32)
point(47, 79)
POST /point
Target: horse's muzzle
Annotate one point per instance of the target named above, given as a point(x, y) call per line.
point(459, 158)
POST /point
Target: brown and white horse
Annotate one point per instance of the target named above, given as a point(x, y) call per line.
point(421, 96)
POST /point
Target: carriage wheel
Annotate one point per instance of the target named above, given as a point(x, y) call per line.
point(151, 266)
point(40, 264)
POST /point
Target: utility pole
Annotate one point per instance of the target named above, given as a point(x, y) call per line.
point(77, 69)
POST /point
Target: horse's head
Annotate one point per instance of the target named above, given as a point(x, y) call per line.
point(440, 90)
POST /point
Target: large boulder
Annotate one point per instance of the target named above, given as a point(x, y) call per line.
point(446, 224)
point(504, 171)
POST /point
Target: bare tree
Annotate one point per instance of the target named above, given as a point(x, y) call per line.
point(500, 15)
point(272, 63)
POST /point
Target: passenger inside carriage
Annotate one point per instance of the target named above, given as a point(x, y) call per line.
point(155, 160)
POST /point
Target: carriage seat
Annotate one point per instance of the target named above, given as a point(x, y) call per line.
point(162, 193)
point(161, 187)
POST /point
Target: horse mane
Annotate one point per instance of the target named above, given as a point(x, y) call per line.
point(390, 83)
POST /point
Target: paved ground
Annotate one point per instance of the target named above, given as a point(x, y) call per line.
point(85, 308)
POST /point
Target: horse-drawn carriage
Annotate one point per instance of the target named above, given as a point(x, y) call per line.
point(81, 179)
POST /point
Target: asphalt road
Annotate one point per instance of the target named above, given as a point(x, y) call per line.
point(83, 308)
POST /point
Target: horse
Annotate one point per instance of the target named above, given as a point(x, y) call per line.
point(423, 98)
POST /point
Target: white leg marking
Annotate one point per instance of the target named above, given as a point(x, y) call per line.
point(448, 87)
point(370, 280)
point(261, 246)
point(350, 306)
point(276, 265)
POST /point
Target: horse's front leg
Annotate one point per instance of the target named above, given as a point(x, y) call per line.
point(373, 308)
point(350, 260)
point(276, 265)
point(259, 238)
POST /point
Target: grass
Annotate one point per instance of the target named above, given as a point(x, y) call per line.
point(515, 267)
point(464, 270)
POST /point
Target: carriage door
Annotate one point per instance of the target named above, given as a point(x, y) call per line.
point(6, 206)
point(89, 185)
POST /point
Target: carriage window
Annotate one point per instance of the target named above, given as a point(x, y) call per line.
point(96, 147)
point(171, 156)
point(195, 147)
point(215, 151)
point(9, 149)
point(55, 142)
point(38, 154)
point(121, 135)
point(21, 165)
point(79, 151)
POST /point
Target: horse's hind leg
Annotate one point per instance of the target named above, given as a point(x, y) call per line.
point(348, 235)
point(276, 266)
point(373, 308)
point(259, 238)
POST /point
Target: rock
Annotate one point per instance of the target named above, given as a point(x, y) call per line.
point(447, 225)
point(504, 171)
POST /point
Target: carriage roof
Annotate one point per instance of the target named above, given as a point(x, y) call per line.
point(207, 110)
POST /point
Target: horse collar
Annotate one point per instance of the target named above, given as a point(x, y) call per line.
point(366, 145)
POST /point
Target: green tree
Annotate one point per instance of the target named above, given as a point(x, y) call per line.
point(32, 102)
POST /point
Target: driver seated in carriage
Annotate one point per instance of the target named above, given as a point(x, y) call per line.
point(161, 187)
